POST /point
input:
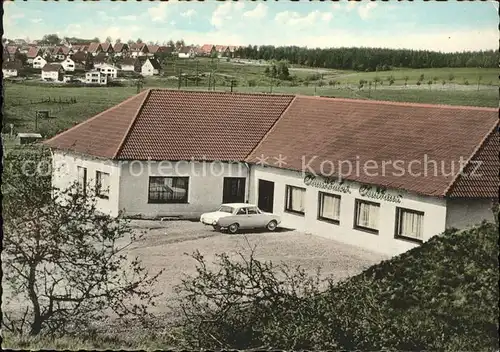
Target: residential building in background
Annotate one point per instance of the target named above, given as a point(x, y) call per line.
point(96, 77)
point(52, 72)
point(150, 67)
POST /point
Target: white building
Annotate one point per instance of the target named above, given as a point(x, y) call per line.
point(265, 155)
point(96, 77)
point(129, 64)
point(186, 52)
point(150, 67)
point(52, 72)
point(108, 70)
point(39, 62)
point(11, 69)
point(68, 64)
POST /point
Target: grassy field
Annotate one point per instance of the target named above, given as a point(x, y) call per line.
point(22, 100)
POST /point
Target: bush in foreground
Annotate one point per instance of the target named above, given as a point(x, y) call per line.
point(442, 295)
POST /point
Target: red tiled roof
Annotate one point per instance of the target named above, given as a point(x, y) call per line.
point(93, 47)
point(12, 49)
point(153, 48)
point(103, 134)
point(480, 178)
point(119, 47)
point(206, 48)
point(65, 50)
point(220, 48)
point(51, 67)
point(138, 47)
point(33, 52)
point(211, 125)
point(106, 45)
point(322, 132)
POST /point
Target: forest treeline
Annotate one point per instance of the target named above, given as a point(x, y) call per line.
point(369, 59)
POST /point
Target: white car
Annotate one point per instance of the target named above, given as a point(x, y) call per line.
point(235, 216)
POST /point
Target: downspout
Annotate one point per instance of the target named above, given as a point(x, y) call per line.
point(248, 186)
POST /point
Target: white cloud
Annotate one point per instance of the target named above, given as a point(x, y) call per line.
point(36, 20)
point(128, 18)
point(365, 10)
point(188, 14)
point(260, 11)
point(225, 12)
point(292, 18)
point(158, 12)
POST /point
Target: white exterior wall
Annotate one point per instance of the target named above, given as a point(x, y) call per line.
point(204, 190)
point(9, 72)
point(68, 65)
point(184, 55)
point(39, 62)
point(108, 70)
point(54, 75)
point(128, 68)
point(65, 173)
point(95, 77)
point(466, 212)
point(434, 212)
point(147, 69)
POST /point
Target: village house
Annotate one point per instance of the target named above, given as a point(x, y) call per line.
point(68, 64)
point(121, 49)
point(11, 52)
point(94, 48)
point(96, 77)
point(100, 60)
point(32, 53)
point(52, 72)
point(39, 62)
point(207, 50)
point(150, 67)
point(148, 168)
point(130, 64)
point(152, 50)
point(107, 48)
point(222, 51)
point(109, 70)
point(11, 68)
point(186, 52)
point(138, 49)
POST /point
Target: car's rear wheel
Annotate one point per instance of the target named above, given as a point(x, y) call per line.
point(233, 228)
point(271, 226)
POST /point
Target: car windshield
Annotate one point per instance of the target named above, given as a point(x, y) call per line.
point(226, 209)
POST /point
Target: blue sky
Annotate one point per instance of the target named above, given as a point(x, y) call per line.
point(444, 26)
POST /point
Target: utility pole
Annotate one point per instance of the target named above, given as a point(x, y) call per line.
point(271, 86)
point(180, 79)
point(186, 80)
point(232, 82)
point(209, 80)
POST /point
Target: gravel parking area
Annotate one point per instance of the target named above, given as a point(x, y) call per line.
point(165, 245)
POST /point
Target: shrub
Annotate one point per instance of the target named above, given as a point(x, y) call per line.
point(321, 83)
point(419, 83)
point(466, 82)
point(252, 83)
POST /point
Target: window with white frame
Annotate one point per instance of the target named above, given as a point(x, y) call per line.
point(81, 179)
point(295, 199)
point(168, 189)
point(409, 224)
point(329, 207)
point(366, 215)
point(102, 184)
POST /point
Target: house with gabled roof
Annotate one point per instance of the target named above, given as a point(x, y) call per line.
point(11, 68)
point(138, 49)
point(372, 176)
point(186, 52)
point(107, 48)
point(32, 53)
point(94, 48)
point(52, 72)
point(121, 49)
point(207, 50)
point(150, 67)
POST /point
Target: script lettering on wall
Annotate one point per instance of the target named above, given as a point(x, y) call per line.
point(379, 193)
point(327, 184)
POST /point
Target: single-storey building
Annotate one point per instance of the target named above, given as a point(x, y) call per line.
point(186, 52)
point(130, 64)
point(52, 72)
point(386, 176)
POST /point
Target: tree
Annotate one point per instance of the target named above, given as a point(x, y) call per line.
point(139, 41)
point(21, 57)
point(421, 78)
point(429, 82)
point(108, 40)
point(451, 77)
point(51, 39)
point(267, 71)
point(171, 43)
point(118, 41)
point(376, 80)
point(479, 78)
point(64, 263)
point(130, 41)
point(180, 43)
point(96, 39)
point(406, 80)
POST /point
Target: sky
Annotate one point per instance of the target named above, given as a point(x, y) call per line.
point(443, 26)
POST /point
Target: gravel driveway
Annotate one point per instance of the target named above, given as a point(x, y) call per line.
point(165, 245)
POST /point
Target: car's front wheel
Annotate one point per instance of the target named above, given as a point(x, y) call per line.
point(216, 227)
point(233, 228)
point(271, 226)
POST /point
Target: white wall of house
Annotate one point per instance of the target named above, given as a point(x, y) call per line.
point(434, 210)
point(68, 64)
point(51, 75)
point(147, 69)
point(466, 212)
point(39, 62)
point(96, 77)
point(128, 68)
point(108, 70)
point(65, 173)
point(204, 190)
point(9, 72)
point(185, 55)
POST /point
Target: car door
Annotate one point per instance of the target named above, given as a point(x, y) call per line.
point(255, 218)
point(242, 218)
